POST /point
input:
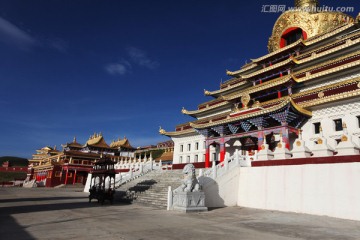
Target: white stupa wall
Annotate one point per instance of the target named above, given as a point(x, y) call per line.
point(348, 112)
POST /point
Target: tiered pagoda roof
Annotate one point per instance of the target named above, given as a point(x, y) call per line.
point(275, 81)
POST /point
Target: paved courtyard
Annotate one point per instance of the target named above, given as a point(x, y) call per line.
point(66, 214)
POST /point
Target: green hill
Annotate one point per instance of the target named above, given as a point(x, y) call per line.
point(14, 161)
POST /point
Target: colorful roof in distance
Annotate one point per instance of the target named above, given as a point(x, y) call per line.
point(97, 140)
point(73, 144)
point(121, 143)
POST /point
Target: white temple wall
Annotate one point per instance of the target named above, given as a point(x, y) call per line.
point(319, 189)
point(183, 154)
point(347, 112)
point(223, 191)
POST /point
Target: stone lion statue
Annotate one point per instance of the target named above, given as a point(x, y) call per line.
point(190, 182)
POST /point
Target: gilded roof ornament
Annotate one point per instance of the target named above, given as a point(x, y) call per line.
point(206, 92)
point(183, 111)
point(230, 73)
point(161, 131)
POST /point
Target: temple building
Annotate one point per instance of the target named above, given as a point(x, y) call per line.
point(305, 90)
point(71, 165)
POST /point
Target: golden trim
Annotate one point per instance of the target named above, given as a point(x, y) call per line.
point(229, 87)
point(326, 87)
point(184, 111)
point(259, 87)
point(327, 62)
point(261, 71)
point(286, 100)
point(177, 133)
point(278, 51)
point(321, 94)
point(331, 98)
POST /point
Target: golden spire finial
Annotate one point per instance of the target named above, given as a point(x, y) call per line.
point(124, 136)
point(74, 141)
point(308, 4)
point(206, 92)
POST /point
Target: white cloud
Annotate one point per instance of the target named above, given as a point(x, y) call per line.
point(118, 68)
point(12, 35)
point(140, 58)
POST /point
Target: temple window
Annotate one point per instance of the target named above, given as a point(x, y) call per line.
point(338, 124)
point(189, 147)
point(291, 35)
point(196, 146)
point(316, 127)
point(188, 159)
point(196, 158)
point(204, 144)
point(180, 159)
point(358, 118)
point(181, 148)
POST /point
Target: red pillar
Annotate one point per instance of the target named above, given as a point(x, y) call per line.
point(207, 156)
point(74, 179)
point(222, 150)
point(66, 177)
point(285, 135)
point(279, 94)
point(260, 138)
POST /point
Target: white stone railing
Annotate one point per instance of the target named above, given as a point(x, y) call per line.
point(236, 160)
point(135, 171)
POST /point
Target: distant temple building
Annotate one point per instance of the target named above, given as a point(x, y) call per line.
point(72, 165)
point(302, 99)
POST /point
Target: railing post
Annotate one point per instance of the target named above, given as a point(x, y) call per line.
point(141, 168)
point(169, 199)
point(226, 163)
point(214, 169)
point(237, 159)
point(131, 172)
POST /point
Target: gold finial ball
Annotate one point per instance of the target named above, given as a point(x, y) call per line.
point(306, 3)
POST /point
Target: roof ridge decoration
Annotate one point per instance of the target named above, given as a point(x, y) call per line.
point(176, 133)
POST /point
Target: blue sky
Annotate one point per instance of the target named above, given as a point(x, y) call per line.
point(74, 67)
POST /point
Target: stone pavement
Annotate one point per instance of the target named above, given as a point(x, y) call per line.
point(66, 214)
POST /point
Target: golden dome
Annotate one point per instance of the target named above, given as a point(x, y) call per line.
point(310, 22)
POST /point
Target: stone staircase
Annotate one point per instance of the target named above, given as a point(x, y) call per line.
point(150, 189)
